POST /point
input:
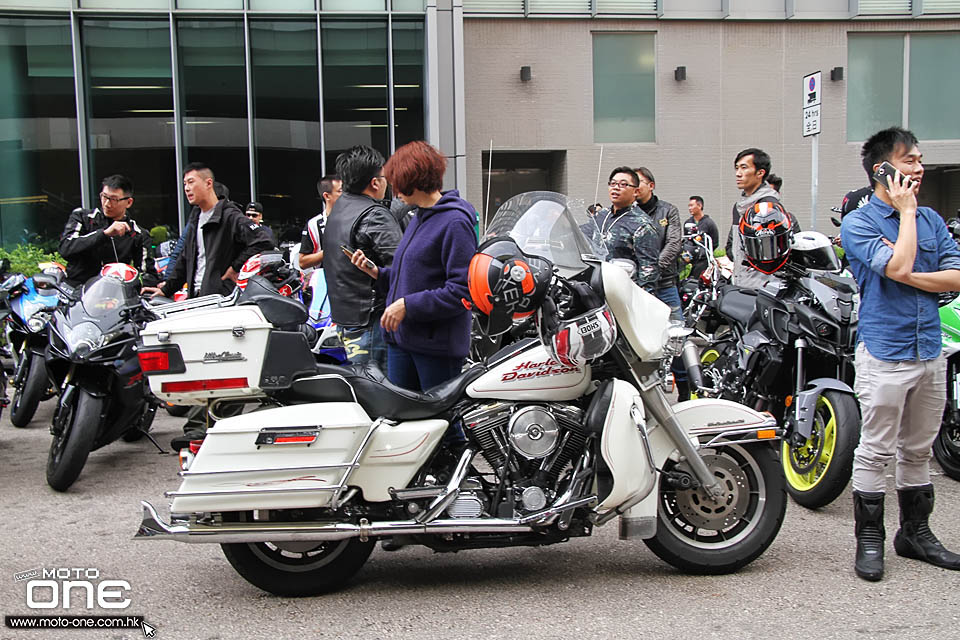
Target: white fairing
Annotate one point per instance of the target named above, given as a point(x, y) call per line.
point(643, 320)
point(532, 375)
point(624, 449)
point(288, 476)
point(215, 344)
point(695, 416)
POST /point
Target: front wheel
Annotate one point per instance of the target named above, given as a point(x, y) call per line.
point(28, 395)
point(699, 535)
point(297, 569)
point(817, 472)
point(946, 448)
point(70, 448)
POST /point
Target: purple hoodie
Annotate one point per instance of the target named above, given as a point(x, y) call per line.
point(429, 272)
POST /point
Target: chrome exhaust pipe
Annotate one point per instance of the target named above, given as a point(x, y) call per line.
point(153, 526)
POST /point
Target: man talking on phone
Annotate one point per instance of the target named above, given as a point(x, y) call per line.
point(901, 255)
point(359, 220)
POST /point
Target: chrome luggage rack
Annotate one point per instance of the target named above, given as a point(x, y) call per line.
point(212, 301)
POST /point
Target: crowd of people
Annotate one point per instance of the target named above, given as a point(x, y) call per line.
point(397, 275)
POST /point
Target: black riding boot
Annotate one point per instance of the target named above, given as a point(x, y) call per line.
point(868, 513)
point(683, 391)
point(914, 539)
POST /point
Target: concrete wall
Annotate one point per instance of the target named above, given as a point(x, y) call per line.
point(743, 89)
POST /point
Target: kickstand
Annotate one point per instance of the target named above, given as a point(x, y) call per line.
point(155, 443)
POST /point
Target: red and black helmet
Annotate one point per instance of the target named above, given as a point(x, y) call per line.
point(506, 284)
point(766, 229)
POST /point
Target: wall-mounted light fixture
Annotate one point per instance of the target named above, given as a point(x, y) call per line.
point(525, 74)
point(680, 73)
point(836, 74)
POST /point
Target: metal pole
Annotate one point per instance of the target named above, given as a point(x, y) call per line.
point(486, 208)
point(79, 86)
point(179, 144)
point(814, 180)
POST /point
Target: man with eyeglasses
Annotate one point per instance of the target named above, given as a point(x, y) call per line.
point(625, 231)
point(359, 220)
point(254, 212)
point(95, 237)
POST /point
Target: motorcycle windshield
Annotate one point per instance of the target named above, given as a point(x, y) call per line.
point(543, 223)
point(102, 301)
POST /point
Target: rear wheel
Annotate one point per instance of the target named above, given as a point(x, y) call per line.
point(946, 448)
point(27, 397)
point(296, 569)
point(699, 535)
point(817, 472)
point(70, 448)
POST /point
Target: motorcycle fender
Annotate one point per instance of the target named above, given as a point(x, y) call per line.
point(806, 402)
point(624, 446)
point(706, 417)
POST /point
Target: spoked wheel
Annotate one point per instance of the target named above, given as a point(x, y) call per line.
point(76, 431)
point(818, 470)
point(946, 448)
point(697, 534)
point(299, 568)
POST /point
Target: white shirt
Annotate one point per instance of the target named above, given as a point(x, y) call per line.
point(201, 251)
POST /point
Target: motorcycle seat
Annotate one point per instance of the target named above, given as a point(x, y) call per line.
point(738, 304)
point(381, 398)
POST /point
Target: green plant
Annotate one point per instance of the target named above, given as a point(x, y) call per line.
point(719, 253)
point(25, 257)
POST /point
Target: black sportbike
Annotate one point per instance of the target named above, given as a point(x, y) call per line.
point(790, 352)
point(93, 362)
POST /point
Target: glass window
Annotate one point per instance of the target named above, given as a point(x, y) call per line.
point(875, 87)
point(354, 86)
point(286, 99)
point(284, 5)
point(408, 80)
point(130, 113)
point(934, 85)
point(19, 4)
point(408, 5)
point(355, 5)
point(623, 87)
point(40, 181)
point(210, 4)
point(213, 84)
point(125, 4)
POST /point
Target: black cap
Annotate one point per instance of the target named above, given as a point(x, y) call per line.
point(254, 206)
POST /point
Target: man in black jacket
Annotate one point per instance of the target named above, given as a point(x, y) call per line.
point(359, 220)
point(222, 239)
point(93, 238)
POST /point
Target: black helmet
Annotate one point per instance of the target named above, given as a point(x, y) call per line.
point(506, 284)
point(766, 229)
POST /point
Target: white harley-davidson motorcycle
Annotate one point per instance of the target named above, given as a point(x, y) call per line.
point(297, 495)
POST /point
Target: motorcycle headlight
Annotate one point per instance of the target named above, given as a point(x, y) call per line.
point(84, 338)
point(38, 321)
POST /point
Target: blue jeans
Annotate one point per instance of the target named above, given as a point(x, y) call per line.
point(420, 372)
point(670, 296)
point(364, 344)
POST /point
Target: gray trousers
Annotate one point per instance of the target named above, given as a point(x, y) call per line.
point(902, 405)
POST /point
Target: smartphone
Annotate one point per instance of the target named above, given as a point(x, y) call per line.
point(884, 170)
point(349, 253)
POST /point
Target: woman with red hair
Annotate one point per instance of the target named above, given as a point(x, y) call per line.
point(426, 326)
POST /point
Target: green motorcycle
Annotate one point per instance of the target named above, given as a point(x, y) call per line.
point(946, 447)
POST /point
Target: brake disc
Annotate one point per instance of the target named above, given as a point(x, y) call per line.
point(804, 458)
point(705, 513)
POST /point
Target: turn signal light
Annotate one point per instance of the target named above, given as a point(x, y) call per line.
point(766, 434)
point(203, 385)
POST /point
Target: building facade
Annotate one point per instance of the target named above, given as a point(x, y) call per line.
point(265, 92)
point(680, 86)
point(268, 92)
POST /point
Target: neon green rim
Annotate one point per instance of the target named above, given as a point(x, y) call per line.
point(809, 480)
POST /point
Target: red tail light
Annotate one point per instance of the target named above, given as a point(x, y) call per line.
point(195, 446)
point(154, 360)
point(203, 385)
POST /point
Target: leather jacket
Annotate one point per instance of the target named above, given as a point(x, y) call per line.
point(357, 221)
point(87, 248)
point(666, 220)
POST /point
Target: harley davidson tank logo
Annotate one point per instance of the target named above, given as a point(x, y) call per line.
point(530, 369)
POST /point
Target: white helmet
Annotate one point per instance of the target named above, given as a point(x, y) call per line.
point(575, 341)
point(813, 250)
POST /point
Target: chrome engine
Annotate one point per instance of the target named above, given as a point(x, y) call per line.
point(540, 441)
